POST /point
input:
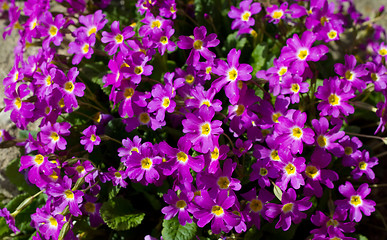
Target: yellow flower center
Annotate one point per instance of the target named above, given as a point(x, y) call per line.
point(323, 20)
point(146, 163)
point(287, 207)
point(246, 16)
point(348, 75)
point(208, 70)
point(89, 207)
point(39, 159)
point(383, 51)
point(18, 102)
point(232, 74)
point(198, 44)
point(53, 31)
point(263, 172)
point(311, 172)
point(217, 210)
point(363, 165)
point(48, 80)
point(134, 149)
point(333, 99)
point(80, 169)
point(54, 136)
point(374, 77)
point(332, 222)
point(164, 40)
point(297, 132)
point(356, 200)
point(69, 86)
point(91, 31)
point(206, 129)
point(348, 151)
point(119, 38)
point(256, 205)
point(332, 34)
point(144, 118)
point(206, 102)
point(128, 92)
point(303, 54)
point(117, 174)
point(215, 154)
point(61, 103)
point(54, 176)
point(189, 79)
point(181, 157)
point(240, 110)
point(172, 9)
point(138, 70)
point(282, 71)
point(277, 14)
point(223, 182)
point(290, 169)
point(166, 102)
point(181, 204)
point(53, 222)
point(85, 48)
point(274, 155)
point(253, 33)
point(156, 24)
point(275, 116)
point(69, 194)
point(322, 141)
point(93, 138)
point(295, 87)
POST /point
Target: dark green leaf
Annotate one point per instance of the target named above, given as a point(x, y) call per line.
point(12, 173)
point(172, 230)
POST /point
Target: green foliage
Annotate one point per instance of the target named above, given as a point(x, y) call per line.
point(118, 216)
point(12, 173)
point(258, 57)
point(172, 230)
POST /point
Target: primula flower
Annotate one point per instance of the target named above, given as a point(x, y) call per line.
point(129, 147)
point(212, 158)
point(49, 28)
point(153, 25)
point(47, 78)
point(117, 38)
point(199, 45)
point(243, 14)
point(90, 139)
point(40, 166)
point(294, 86)
point(289, 210)
point(201, 97)
point(92, 23)
point(138, 67)
point(52, 135)
point(201, 130)
point(326, 139)
point(117, 177)
point(71, 89)
point(92, 208)
point(215, 209)
point(142, 117)
point(163, 40)
point(275, 75)
point(291, 132)
point(82, 47)
point(331, 224)
point(271, 114)
point(9, 219)
point(241, 147)
point(231, 73)
point(355, 201)
point(276, 13)
point(351, 146)
point(298, 51)
point(82, 169)
point(162, 100)
point(180, 206)
point(292, 169)
point(334, 98)
point(263, 169)
point(351, 73)
point(377, 74)
point(363, 164)
point(129, 96)
point(47, 222)
point(168, 9)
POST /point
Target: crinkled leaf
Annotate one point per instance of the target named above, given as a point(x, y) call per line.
point(258, 58)
point(172, 230)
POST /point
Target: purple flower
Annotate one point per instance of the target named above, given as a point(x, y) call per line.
point(294, 86)
point(117, 38)
point(243, 14)
point(52, 135)
point(355, 201)
point(334, 98)
point(326, 139)
point(47, 222)
point(299, 51)
point(92, 208)
point(351, 73)
point(153, 25)
point(331, 224)
point(215, 209)
point(202, 97)
point(363, 165)
point(231, 73)
point(289, 210)
point(71, 89)
point(180, 206)
point(9, 219)
point(40, 166)
point(82, 47)
point(276, 13)
point(376, 75)
point(162, 100)
point(117, 177)
point(292, 169)
point(50, 28)
point(199, 45)
point(92, 23)
point(163, 40)
point(201, 130)
point(90, 139)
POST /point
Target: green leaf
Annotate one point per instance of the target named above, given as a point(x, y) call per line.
point(361, 237)
point(12, 173)
point(258, 58)
point(3, 227)
point(118, 216)
point(174, 231)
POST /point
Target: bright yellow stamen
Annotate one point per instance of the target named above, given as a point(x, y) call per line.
point(89, 207)
point(363, 165)
point(215, 153)
point(275, 116)
point(287, 207)
point(208, 70)
point(323, 20)
point(274, 155)
point(69, 86)
point(128, 92)
point(144, 118)
point(134, 149)
point(374, 77)
point(156, 24)
point(332, 34)
point(182, 157)
point(54, 176)
point(181, 204)
point(311, 172)
point(80, 169)
point(303, 54)
point(232, 74)
point(53, 31)
point(246, 16)
point(282, 71)
point(333, 99)
point(93, 138)
point(91, 31)
point(119, 38)
point(166, 102)
point(348, 75)
point(33, 24)
point(206, 102)
point(198, 44)
point(217, 210)
point(253, 33)
point(117, 175)
point(297, 132)
point(85, 48)
point(189, 79)
point(138, 70)
point(290, 169)
point(53, 222)
point(69, 194)
point(223, 182)
point(356, 200)
point(263, 172)
point(18, 102)
point(39, 159)
point(277, 14)
point(383, 51)
point(322, 141)
point(54, 136)
point(48, 80)
point(295, 87)
point(240, 110)
point(164, 40)
point(256, 205)
point(172, 9)
point(146, 163)
point(206, 129)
